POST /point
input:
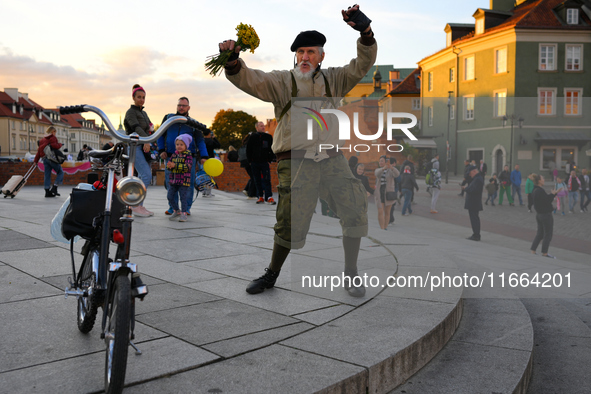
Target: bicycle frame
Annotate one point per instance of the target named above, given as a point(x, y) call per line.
point(109, 272)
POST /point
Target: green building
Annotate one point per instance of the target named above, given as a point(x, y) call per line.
point(513, 88)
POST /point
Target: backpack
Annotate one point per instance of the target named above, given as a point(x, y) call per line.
point(429, 166)
point(54, 155)
point(431, 177)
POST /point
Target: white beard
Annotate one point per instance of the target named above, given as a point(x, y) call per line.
point(301, 75)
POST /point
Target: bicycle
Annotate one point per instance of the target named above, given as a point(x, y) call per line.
point(99, 218)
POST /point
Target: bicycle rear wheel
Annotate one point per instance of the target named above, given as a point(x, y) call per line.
point(117, 335)
point(87, 304)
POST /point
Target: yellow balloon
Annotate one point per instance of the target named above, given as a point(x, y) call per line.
point(213, 167)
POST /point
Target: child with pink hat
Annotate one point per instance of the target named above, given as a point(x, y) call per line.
point(179, 183)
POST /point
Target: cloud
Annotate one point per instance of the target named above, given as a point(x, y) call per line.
point(109, 88)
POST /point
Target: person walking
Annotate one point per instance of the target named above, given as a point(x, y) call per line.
point(360, 174)
point(250, 189)
point(137, 121)
point(180, 174)
point(385, 176)
point(544, 219)
point(529, 188)
point(483, 169)
point(516, 184)
point(561, 196)
point(505, 181)
point(49, 165)
point(317, 174)
point(408, 184)
point(473, 202)
point(491, 189)
point(259, 154)
point(167, 147)
point(585, 189)
point(465, 181)
point(435, 184)
point(574, 185)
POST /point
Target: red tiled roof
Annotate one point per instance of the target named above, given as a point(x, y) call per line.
point(409, 84)
point(531, 14)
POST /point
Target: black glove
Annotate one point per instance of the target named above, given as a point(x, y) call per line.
point(233, 56)
point(359, 18)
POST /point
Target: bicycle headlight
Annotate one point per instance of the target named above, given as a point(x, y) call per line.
point(131, 191)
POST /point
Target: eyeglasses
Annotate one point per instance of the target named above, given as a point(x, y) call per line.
point(182, 105)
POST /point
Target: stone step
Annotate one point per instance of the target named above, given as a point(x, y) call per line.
point(560, 366)
point(491, 352)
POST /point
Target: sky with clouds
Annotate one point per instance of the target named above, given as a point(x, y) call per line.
point(73, 52)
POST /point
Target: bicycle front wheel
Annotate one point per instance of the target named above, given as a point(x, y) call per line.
point(117, 335)
point(89, 302)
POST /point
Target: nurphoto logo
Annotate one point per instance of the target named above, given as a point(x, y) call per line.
point(344, 130)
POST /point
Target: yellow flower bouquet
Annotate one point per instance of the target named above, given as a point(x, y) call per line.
point(247, 40)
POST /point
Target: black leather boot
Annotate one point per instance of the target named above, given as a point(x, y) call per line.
point(48, 193)
point(54, 190)
point(266, 281)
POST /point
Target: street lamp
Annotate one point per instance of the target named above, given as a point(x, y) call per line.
point(514, 120)
point(29, 131)
point(447, 151)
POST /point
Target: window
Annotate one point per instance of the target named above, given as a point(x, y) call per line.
point(430, 115)
point(469, 107)
point(500, 60)
point(416, 103)
point(572, 16)
point(567, 155)
point(548, 158)
point(23, 143)
point(13, 141)
point(468, 68)
point(546, 101)
point(452, 74)
point(572, 101)
point(480, 26)
point(574, 58)
point(13, 125)
point(430, 82)
point(452, 112)
point(500, 103)
point(547, 57)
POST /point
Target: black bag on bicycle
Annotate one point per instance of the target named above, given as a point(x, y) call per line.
point(85, 206)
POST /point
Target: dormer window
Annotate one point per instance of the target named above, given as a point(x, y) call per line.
point(572, 16)
point(448, 39)
point(13, 108)
point(20, 110)
point(479, 26)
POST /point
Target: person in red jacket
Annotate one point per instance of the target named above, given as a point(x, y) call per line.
point(51, 140)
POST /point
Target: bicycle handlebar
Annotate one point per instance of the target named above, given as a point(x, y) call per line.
point(124, 137)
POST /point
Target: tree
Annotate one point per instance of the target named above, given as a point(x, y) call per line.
point(230, 127)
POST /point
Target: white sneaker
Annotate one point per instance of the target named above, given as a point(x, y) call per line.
point(140, 212)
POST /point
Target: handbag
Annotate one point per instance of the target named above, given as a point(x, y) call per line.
point(85, 206)
point(390, 196)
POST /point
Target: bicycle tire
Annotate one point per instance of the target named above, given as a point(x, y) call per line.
point(117, 335)
point(87, 304)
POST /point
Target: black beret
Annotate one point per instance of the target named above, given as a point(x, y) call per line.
point(310, 38)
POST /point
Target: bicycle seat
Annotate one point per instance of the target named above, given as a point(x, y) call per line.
point(101, 153)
